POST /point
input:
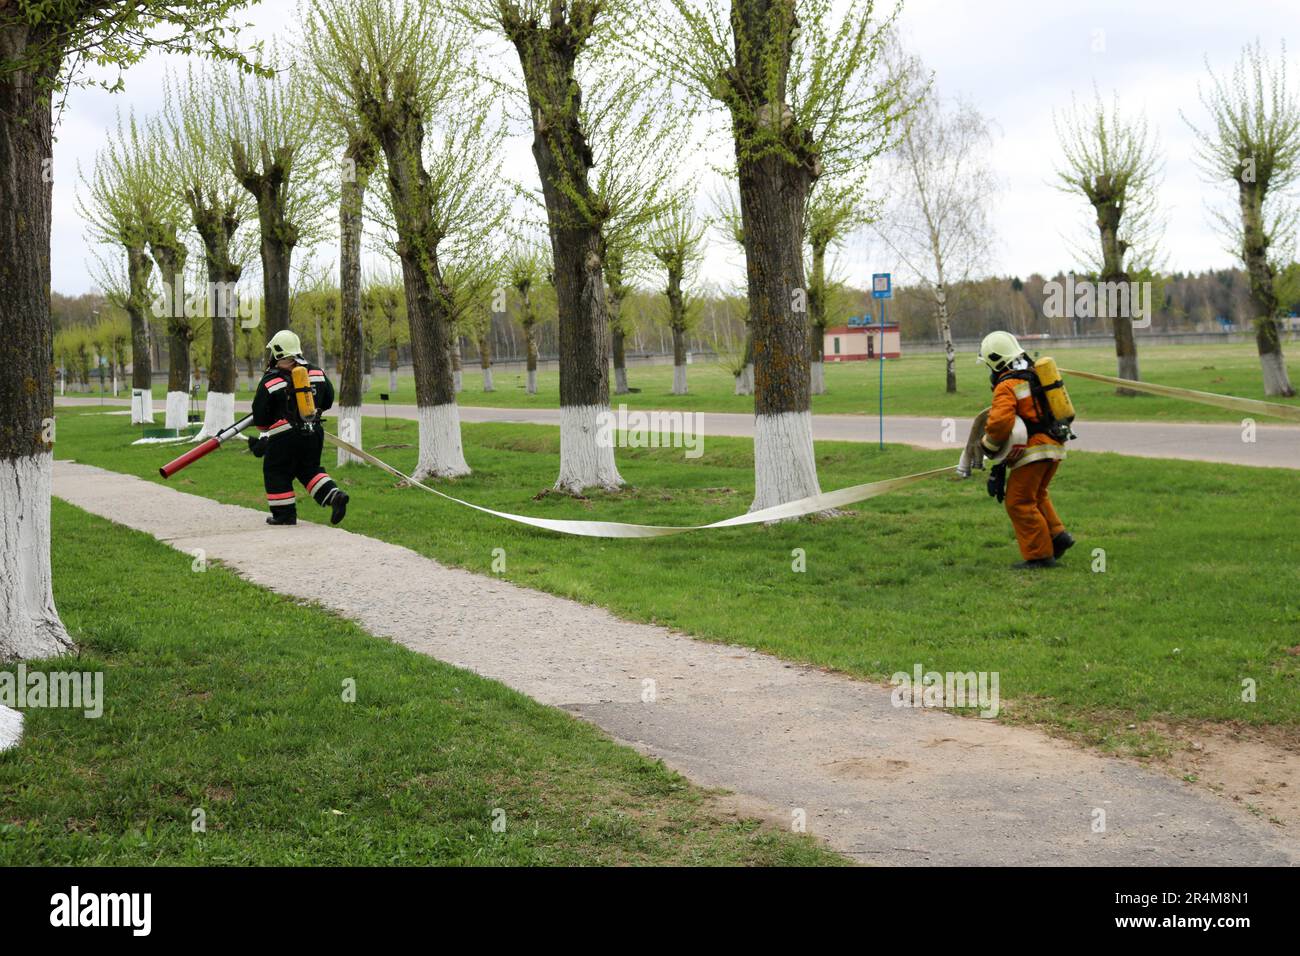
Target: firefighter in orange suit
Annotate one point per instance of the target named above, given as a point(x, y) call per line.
point(1028, 445)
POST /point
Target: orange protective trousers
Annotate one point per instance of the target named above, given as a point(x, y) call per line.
point(1030, 508)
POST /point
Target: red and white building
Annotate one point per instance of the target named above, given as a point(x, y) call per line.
point(853, 342)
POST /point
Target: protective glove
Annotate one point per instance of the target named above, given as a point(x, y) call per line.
point(257, 445)
point(997, 483)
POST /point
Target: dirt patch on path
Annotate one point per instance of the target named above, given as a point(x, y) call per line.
point(1256, 768)
point(879, 783)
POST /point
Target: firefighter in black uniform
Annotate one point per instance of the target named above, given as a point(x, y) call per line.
point(287, 408)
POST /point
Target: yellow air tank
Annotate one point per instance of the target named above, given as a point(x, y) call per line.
point(1058, 399)
point(306, 401)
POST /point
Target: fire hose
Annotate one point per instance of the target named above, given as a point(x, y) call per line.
point(211, 445)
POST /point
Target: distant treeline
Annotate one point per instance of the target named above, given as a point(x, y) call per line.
point(1181, 302)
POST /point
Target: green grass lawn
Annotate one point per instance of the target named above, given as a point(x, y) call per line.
point(914, 385)
point(1201, 587)
point(223, 697)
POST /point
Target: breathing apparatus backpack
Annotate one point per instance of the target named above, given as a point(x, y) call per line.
point(1051, 400)
point(304, 400)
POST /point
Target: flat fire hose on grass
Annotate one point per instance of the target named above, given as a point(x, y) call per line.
point(618, 529)
point(1251, 406)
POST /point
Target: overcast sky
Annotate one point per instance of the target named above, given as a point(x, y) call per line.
point(1016, 60)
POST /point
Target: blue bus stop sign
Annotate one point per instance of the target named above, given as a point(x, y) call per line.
point(880, 286)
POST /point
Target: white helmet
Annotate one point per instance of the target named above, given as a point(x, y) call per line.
point(998, 350)
point(1015, 444)
point(285, 344)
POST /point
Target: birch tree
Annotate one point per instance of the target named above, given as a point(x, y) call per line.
point(1252, 141)
point(800, 83)
point(940, 185)
point(1113, 162)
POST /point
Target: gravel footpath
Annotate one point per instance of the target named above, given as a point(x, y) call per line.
point(881, 784)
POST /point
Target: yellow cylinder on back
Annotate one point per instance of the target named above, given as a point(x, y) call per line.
point(1058, 399)
point(302, 390)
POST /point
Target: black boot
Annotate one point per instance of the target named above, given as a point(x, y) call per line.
point(1062, 543)
point(1034, 564)
point(339, 506)
point(283, 519)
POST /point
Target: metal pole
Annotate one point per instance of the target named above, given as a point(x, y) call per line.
point(882, 374)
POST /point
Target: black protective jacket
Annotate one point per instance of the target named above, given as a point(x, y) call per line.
point(275, 409)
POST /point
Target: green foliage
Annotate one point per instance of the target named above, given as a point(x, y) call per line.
point(67, 36)
point(1114, 162)
point(798, 79)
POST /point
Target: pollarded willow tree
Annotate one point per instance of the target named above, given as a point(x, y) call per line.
point(1113, 161)
point(41, 43)
point(525, 267)
point(359, 155)
point(935, 217)
point(676, 242)
point(832, 214)
point(800, 82)
point(1253, 141)
point(194, 156)
point(165, 229)
point(271, 128)
point(563, 48)
point(636, 159)
point(113, 200)
point(727, 220)
point(408, 73)
point(385, 292)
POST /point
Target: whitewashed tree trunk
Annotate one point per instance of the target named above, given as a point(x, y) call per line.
point(11, 728)
point(441, 454)
point(350, 431)
point(745, 381)
point(532, 381)
point(487, 381)
point(178, 410)
point(679, 379)
point(218, 413)
point(458, 380)
point(1276, 379)
point(817, 372)
point(392, 382)
point(585, 460)
point(141, 407)
point(29, 624)
point(785, 468)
